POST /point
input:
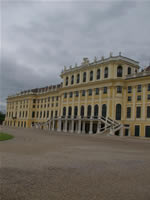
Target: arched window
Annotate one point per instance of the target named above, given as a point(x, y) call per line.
point(98, 74)
point(72, 79)
point(96, 110)
point(129, 70)
point(118, 112)
point(104, 110)
point(106, 72)
point(89, 111)
point(84, 77)
point(66, 80)
point(64, 111)
point(75, 111)
point(82, 111)
point(78, 78)
point(69, 111)
point(91, 75)
point(119, 71)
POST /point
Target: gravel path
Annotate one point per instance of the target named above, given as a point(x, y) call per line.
point(37, 165)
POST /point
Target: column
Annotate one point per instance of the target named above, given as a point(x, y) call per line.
point(49, 125)
point(98, 126)
point(79, 126)
point(83, 127)
point(72, 126)
point(91, 127)
point(59, 125)
point(65, 127)
point(53, 127)
point(121, 131)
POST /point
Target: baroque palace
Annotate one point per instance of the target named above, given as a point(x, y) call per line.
point(106, 96)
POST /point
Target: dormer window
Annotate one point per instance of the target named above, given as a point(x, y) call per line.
point(72, 79)
point(119, 71)
point(106, 72)
point(91, 75)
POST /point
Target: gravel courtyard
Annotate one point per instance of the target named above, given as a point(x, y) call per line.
point(37, 165)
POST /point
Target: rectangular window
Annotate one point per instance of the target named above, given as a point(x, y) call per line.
point(119, 89)
point(137, 130)
point(139, 88)
point(37, 114)
point(57, 98)
point(52, 98)
point(83, 93)
point(129, 89)
point(33, 114)
point(70, 94)
point(148, 87)
point(48, 99)
point(65, 95)
point(105, 90)
point(139, 98)
point(90, 92)
point(97, 91)
point(34, 100)
point(129, 98)
point(148, 111)
point(47, 114)
point(128, 112)
point(148, 97)
point(76, 93)
point(138, 112)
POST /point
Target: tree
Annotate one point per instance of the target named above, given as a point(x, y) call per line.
point(2, 117)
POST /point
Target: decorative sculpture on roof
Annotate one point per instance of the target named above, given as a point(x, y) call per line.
point(85, 61)
point(95, 59)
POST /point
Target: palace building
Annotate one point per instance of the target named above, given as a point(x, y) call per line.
point(106, 96)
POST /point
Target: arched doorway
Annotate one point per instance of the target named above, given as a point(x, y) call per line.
point(89, 111)
point(104, 110)
point(96, 109)
point(82, 111)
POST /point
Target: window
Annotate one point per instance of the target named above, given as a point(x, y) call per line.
point(52, 113)
point(118, 112)
point(83, 93)
point(84, 77)
point(148, 111)
point(91, 75)
point(104, 110)
point(119, 71)
point(89, 111)
point(65, 95)
point(138, 112)
point(139, 88)
point(97, 91)
point(72, 79)
point(56, 112)
point(48, 99)
point(137, 130)
point(129, 89)
point(47, 114)
point(70, 94)
point(106, 72)
point(119, 89)
point(82, 111)
point(105, 90)
point(57, 98)
point(129, 70)
point(148, 87)
point(90, 92)
point(41, 114)
point(44, 114)
point(78, 78)
point(148, 97)
point(76, 93)
point(33, 114)
point(53, 98)
point(75, 111)
point(96, 110)
point(128, 112)
point(64, 111)
point(66, 81)
point(70, 111)
point(98, 74)
point(34, 100)
point(138, 98)
point(129, 98)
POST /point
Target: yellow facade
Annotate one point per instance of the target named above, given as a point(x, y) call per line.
point(106, 96)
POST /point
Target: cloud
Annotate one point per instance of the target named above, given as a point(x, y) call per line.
point(40, 37)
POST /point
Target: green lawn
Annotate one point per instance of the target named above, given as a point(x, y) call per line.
point(5, 136)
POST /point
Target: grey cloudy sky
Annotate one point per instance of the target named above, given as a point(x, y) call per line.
point(39, 37)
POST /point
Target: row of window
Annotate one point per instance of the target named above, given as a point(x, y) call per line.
point(90, 92)
point(45, 100)
point(98, 75)
point(139, 98)
point(19, 124)
point(23, 114)
point(138, 112)
point(44, 114)
point(139, 88)
point(45, 105)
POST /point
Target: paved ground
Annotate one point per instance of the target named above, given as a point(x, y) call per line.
point(36, 165)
